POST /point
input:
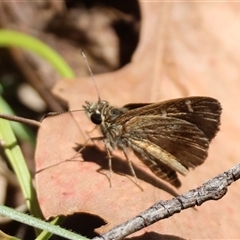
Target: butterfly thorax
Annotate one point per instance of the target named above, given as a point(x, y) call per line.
point(103, 114)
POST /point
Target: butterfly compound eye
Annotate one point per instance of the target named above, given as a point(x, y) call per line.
point(96, 118)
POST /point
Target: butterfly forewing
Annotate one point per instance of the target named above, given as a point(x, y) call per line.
point(202, 111)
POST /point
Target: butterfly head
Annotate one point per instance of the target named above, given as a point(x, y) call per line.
point(96, 111)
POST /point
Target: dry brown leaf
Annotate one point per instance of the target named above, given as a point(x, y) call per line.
point(185, 49)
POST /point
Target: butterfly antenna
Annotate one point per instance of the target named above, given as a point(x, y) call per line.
point(91, 73)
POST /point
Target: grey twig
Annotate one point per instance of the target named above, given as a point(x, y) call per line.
point(20, 119)
point(213, 189)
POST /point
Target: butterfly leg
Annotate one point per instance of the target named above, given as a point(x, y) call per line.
point(132, 169)
point(106, 143)
point(88, 134)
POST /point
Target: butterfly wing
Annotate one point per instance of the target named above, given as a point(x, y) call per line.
point(204, 112)
point(166, 145)
point(173, 135)
point(158, 168)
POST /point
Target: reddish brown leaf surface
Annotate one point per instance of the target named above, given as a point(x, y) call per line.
point(185, 49)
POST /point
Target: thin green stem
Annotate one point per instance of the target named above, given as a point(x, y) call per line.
point(9, 38)
point(38, 223)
